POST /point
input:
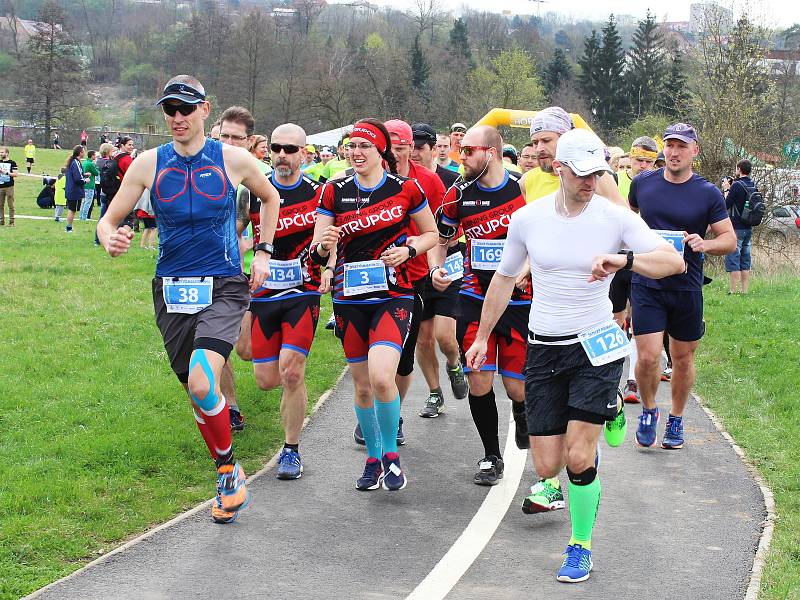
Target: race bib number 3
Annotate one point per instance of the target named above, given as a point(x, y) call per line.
point(284, 274)
point(364, 277)
point(486, 254)
point(605, 343)
point(187, 295)
point(673, 237)
point(454, 265)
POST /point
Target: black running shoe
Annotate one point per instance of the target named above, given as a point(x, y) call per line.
point(490, 471)
point(521, 429)
point(401, 437)
point(237, 420)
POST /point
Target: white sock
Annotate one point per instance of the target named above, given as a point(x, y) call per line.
point(634, 357)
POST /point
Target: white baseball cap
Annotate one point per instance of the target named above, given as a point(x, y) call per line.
point(583, 152)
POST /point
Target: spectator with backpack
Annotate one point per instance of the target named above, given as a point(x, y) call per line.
point(106, 150)
point(745, 205)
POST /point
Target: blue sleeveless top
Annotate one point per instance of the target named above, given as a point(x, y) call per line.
point(195, 208)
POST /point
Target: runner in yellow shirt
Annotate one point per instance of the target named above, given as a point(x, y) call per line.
point(30, 155)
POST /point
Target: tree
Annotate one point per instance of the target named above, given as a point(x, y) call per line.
point(557, 71)
point(510, 83)
point(50, 75)
point(647, 67)
point(420, 68)
point(733, 98)
point(590, 71)
point(674, 99)
point(459, 41)
point(612, 101)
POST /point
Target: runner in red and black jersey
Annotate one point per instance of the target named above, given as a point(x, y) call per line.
point(286, 307)
point(483, 206)
point(364, 221)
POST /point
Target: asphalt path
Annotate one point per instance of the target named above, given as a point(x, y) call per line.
point(671, 524)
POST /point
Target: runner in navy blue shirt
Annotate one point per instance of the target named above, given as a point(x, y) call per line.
point(199, 292)
point(682, 206)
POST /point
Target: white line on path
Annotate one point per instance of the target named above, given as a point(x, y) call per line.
point(449, 570)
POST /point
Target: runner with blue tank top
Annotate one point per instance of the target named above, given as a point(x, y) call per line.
point(199, 291)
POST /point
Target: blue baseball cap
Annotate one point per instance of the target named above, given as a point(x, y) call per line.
point(682, 132)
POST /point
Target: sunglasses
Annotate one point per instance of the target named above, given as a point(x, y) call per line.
point(470, 150)
point(185, 109)
point(287, 148)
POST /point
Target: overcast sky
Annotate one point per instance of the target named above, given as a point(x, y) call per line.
point(774, 13)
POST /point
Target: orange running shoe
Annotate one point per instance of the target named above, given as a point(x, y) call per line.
point(231, 488)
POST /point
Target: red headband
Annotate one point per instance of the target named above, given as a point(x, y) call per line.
point(368, 131)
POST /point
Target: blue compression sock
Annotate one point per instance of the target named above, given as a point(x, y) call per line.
point(369, 429)
point(388, 420)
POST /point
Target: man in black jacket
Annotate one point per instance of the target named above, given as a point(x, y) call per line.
point(738, 262)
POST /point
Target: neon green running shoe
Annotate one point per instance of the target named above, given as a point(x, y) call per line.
point(615, 430)
point(544, 498)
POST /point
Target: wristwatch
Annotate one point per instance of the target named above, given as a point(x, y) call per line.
point(264, 247)
point(412, 252)
point(629, 264)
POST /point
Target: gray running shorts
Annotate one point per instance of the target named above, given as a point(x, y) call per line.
point(216, 327)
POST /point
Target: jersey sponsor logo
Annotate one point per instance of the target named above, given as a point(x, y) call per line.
point(301, 220)
point(488, 227)
point(348, 200)
point(360, 223)
point(476, 203)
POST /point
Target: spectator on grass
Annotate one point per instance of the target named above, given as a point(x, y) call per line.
point(56, 141)
point(74, 186)
point(60, 197)
point(90, 169)
point(30, 155)
point(738, 262)
point(106, 150)
point(8, 173)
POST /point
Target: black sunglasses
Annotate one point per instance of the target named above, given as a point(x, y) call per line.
point(287, 148)
point(184, 109)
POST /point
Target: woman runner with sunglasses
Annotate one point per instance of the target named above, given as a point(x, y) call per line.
point(364, 220)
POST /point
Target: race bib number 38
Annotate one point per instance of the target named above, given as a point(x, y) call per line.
point(605, 343)
point(486, 254)
point(364, 277)
point(187, 295)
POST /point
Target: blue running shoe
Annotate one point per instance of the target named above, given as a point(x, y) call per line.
point(673, 436)
point(358, 437)
point(372, 477)
point(646, 433)
point(393, 477)
point(576, 566)
point(289, 465)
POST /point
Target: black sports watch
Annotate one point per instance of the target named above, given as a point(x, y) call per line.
point(629, 264)
point(264, 247)
point(412, 252)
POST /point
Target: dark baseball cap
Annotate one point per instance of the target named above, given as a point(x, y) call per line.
point(423, 133)
point(185, 92)
point(682, 132)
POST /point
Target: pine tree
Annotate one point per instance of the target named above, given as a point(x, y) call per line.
point(647, 68)
point(590, 71)
point(50, 76)
point(612, 99)
point(459, 41)
point(557, 71)
point(674, 100)
point(420, 67)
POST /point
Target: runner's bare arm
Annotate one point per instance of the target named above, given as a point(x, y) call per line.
point(522, 181)
point(326, 238)
point(424, 241)
point(663, 261)
point(607, 187)
point(724, 241)
point(494, 304)
point(116, 240)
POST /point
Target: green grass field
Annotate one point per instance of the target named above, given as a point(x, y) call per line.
point(98, 439)
point(749, 375)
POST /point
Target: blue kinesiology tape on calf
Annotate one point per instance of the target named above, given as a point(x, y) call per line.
point(211, 400)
